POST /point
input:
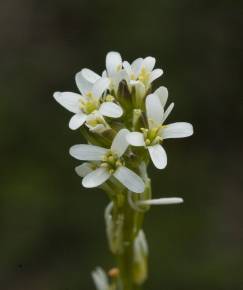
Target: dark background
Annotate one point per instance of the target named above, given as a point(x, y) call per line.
point(52, 229)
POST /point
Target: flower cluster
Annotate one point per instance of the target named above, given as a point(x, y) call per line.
point(121, 97)
point(124, 123)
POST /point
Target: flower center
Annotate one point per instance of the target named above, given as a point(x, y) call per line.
point(133, 77)
point(90, 104)
point(95, 121)
point(111, 161)
point(151, 136)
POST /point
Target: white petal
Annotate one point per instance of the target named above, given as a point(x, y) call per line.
point(96, 178)
point(89, 75)
point(68, 100)
point(149, 63)
point(110, 109)
point(158, 156)
point(100, 86)
point(137, 66)
point(104, 74)
point(113, 62)
point(161, 201)
point(154, 110)
point(127, 67)
point(87, 152)
point(135, 139)
point(83, 84)
point(129, 179)
point(155, 74)
point(100, 279)
point(177, 130)
point(83, 169)
point(77, 120)
point(162, 92)
point(119, 144)
point(168, 111)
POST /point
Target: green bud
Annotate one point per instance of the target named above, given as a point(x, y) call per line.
point(114, 230)
point(140, 267)
point(124, 95)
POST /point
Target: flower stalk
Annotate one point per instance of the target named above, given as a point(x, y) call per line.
point(131, 261)
point(123, 121)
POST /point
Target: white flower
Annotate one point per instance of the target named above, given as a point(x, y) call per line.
point(100, 279)
point(113, 72)
point(142, 70)
point(88, 102)
point(110, 163)
point(140, 73)
point(156, 132)
point(96, 123)
point(88, 77)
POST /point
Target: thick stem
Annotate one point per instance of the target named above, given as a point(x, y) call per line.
point(126, 238)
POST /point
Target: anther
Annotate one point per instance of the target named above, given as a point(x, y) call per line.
point(109, 98)
point(147, 142)
point(118, 163)
point(104, 158)
point(103, 164)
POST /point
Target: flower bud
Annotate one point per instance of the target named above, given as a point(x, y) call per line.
point(124, 95)
point(114, 230)
point(139, 95)
point(140, 271)
point(138, 120)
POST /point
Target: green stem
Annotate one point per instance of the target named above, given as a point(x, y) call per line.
point(132, 225)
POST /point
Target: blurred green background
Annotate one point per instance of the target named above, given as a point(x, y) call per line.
point(52, 229)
